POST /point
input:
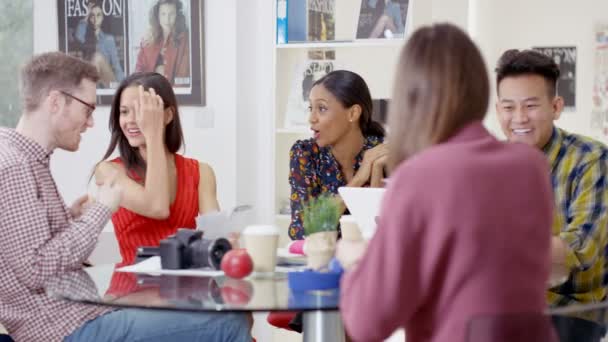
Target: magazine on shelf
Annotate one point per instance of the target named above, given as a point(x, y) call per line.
point(317, 64)
point(321, 22)
point(382, 19)
point(282, 22)
point(305, 20)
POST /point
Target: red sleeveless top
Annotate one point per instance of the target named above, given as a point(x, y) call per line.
point(133, 230)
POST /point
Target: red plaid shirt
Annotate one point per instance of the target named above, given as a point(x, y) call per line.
point(39, 240)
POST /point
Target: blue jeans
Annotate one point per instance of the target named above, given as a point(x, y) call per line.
point(156, 325)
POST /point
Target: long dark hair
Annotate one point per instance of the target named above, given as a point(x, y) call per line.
point(180, 21)
point(350, 89)
point(174, 138)
point(89, 46)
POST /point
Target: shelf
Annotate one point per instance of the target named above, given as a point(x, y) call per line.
point(282, 217)
point(300, 131)
point(345, 44)
point(375, 60)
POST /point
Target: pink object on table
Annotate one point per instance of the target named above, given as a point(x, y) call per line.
point(296, 247)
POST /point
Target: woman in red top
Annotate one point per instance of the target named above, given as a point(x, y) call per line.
point(163, 191)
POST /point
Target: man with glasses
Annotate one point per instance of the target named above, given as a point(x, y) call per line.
point(42, 238)
point(88, 105)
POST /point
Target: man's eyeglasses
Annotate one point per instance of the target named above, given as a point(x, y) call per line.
point(90, 106)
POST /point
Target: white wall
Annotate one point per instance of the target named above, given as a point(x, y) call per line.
point(255, 27)
point(216, 145)
point(498, 25)
point(522, 24)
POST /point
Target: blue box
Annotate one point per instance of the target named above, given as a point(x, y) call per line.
point(297, 20)
point(282, 22)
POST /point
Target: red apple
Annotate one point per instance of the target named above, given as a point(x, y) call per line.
point(236, 291)
point(237, 263)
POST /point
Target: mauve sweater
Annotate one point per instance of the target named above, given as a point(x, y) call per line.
point(464, 231)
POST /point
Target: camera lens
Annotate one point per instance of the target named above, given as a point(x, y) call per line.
point(219, 248)
point(208, 253)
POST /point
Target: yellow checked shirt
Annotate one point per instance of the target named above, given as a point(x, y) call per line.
point(578, 174)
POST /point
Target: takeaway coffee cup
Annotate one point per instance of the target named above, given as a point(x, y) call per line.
point(350, 229)
point(261, 242)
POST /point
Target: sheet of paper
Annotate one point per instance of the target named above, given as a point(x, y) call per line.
point(152, 266)
point(222, 223)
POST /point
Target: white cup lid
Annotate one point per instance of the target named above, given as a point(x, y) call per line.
point(348, 218)
point(261, 230)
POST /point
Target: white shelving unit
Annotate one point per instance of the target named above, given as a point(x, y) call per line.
point(341, 44)
point(373, 59)
point(299, 131)
point(283, 217)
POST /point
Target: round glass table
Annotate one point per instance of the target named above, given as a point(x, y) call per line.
point(103, 285)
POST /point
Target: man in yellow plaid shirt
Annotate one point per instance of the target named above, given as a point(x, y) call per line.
point(527, 106)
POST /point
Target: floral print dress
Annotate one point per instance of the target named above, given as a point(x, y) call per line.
point(313, 171)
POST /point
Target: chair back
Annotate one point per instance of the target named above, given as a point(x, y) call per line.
point(511, 327)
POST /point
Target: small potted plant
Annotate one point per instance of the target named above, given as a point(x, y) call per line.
point(320, 216)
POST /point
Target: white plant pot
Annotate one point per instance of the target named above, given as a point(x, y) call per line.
point(320, 248)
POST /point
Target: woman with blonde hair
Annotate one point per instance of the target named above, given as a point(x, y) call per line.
point(465, 228)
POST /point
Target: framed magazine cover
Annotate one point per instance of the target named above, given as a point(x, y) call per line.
point(121, 37)
point(178, 55)
point(380, 19)
point(565, 58)
point(96, 31)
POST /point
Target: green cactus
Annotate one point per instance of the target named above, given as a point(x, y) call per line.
point(321, 214)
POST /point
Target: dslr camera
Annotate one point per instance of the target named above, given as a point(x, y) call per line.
point(188, 249)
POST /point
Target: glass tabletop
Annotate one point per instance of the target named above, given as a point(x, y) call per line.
point(105, 286)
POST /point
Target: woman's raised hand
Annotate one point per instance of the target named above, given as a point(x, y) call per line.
point(150, 114)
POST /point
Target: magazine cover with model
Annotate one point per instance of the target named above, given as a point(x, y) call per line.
point(159, 40)
point(95, 31)
point(305, 20)
point(321, 22)
point(382, 19)
point(317, 64)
